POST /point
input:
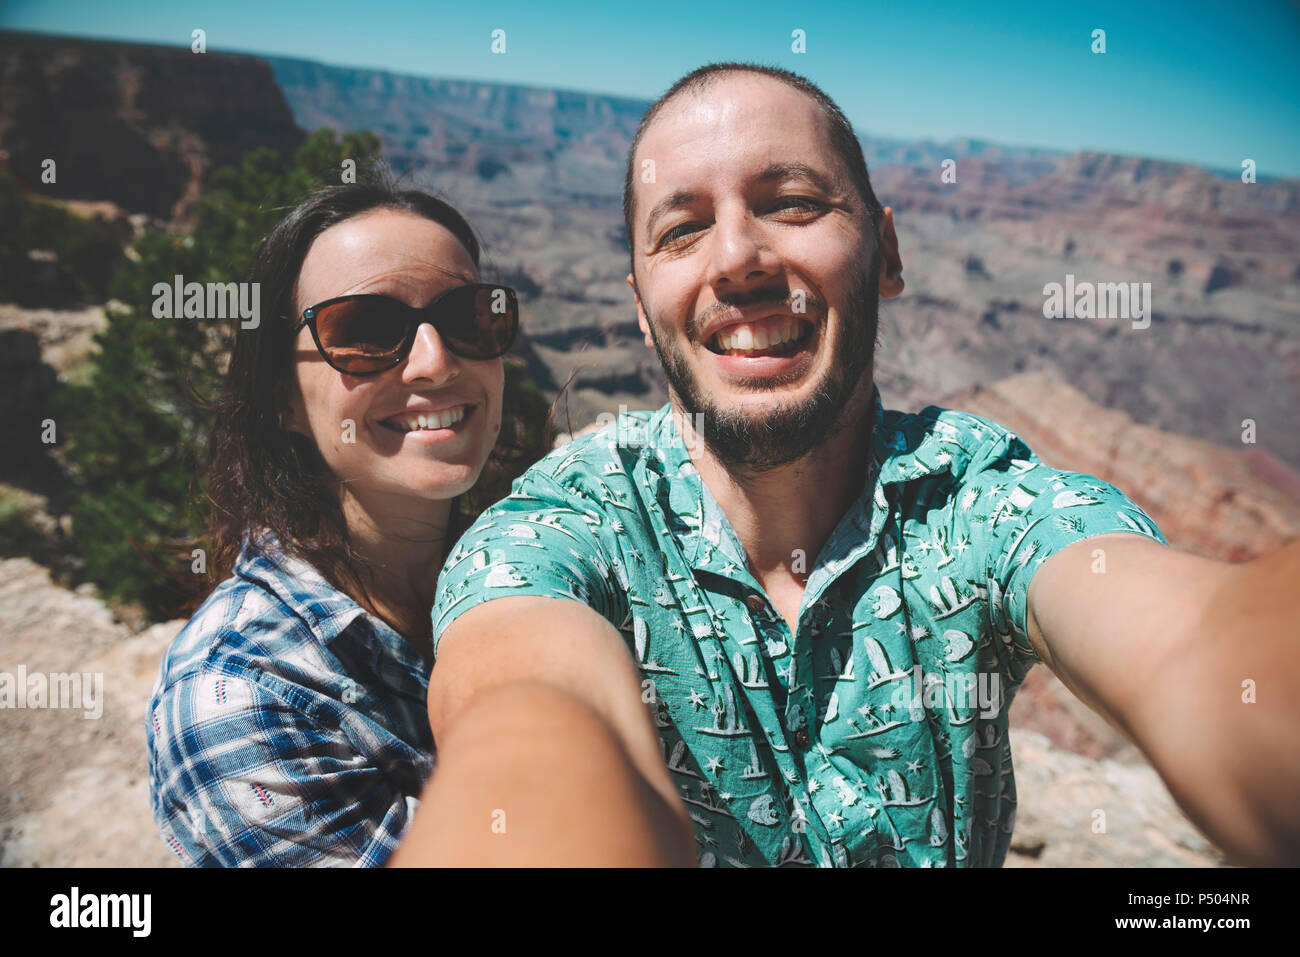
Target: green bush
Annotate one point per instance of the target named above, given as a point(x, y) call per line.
point(86, 252)
point(135, 427)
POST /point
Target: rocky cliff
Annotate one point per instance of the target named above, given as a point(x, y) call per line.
point(1220, 502)
point(539, 173)
point(139, 125)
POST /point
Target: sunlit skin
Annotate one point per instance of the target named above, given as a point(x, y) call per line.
point(760, 201)
point(396, 488)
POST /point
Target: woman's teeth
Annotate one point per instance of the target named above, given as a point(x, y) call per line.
point(756, 337)
point(433, 420)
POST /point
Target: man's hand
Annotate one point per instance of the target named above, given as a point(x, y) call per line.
point(1198, 663)
point(546, 753)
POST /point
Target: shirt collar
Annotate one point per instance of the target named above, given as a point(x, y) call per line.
point(909, 447)
point(690, 513)
point(905, 448)
point(336, 619)
point(326, 610)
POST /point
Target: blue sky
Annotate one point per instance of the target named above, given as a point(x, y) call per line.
point(1200, 81)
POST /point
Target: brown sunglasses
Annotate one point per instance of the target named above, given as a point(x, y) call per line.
point(368, 334)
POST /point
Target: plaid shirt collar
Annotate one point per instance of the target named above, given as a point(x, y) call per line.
point(328, 611)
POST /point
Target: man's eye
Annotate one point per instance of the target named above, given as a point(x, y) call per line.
point(796, 202)
point(677, 232)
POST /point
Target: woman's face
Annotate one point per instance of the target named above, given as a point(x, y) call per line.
point(361, 424)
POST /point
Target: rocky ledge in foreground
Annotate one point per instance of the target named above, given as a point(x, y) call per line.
point(74, 792)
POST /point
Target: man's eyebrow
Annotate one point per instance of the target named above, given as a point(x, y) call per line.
point(673, 201)
point(796, 171)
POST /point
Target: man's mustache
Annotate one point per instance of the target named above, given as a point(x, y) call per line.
point(809, 305)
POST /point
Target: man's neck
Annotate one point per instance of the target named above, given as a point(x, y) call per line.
point(783, 516)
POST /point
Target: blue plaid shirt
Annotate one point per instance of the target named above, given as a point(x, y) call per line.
point(287, 727)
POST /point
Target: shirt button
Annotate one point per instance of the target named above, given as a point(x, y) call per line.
point(801, 738)
point(755, 603)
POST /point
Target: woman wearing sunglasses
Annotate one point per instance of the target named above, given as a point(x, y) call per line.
point(289, 725)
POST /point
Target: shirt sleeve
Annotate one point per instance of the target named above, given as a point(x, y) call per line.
point(542, 540)
point(1023, 512)
point(243, 777)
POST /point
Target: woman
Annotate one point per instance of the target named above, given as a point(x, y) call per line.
point(288, 725)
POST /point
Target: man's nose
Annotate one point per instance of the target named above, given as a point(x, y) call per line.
point(430, 359)
point(739, 253)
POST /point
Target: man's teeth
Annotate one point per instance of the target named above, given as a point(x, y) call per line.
point(433, 420)
point(753, 336)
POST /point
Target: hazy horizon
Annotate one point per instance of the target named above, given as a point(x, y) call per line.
point(1194, 83)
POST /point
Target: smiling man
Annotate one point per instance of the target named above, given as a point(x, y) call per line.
point(777, 618)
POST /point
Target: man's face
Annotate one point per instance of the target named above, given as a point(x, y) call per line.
point(756, 271)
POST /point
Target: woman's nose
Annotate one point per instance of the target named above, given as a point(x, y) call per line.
point(430, 359)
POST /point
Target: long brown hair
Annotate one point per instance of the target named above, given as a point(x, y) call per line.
point(259, 476)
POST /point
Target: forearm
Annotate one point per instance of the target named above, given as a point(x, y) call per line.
point(1233, 764)
point(530, 775)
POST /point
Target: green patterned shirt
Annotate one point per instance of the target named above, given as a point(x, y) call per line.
point(876, 735)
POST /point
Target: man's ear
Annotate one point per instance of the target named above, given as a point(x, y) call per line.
point(891, 263)
point(640, 315)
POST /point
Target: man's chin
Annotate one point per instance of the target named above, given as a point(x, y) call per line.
point(756, 415)
point(763, 406)
point(761, 430)
point(777, 436)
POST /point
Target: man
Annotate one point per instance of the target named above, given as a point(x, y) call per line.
point(776, 619)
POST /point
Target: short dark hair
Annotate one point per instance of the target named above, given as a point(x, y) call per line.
point(843, 139)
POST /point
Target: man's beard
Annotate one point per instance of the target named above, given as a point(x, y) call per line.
point(786, 434)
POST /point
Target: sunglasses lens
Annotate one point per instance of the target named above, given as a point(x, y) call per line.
point(480, 321)
point(363, 335)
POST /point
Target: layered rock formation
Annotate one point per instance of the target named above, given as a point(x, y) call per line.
point(539, 173)
point(1220, 255)
point(1223, 503)
point(136, 124)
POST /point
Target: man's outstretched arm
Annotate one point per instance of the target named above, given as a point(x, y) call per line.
point(546, 751)
point(1198, 663)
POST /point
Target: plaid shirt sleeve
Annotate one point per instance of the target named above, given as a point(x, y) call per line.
point(245, 776)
